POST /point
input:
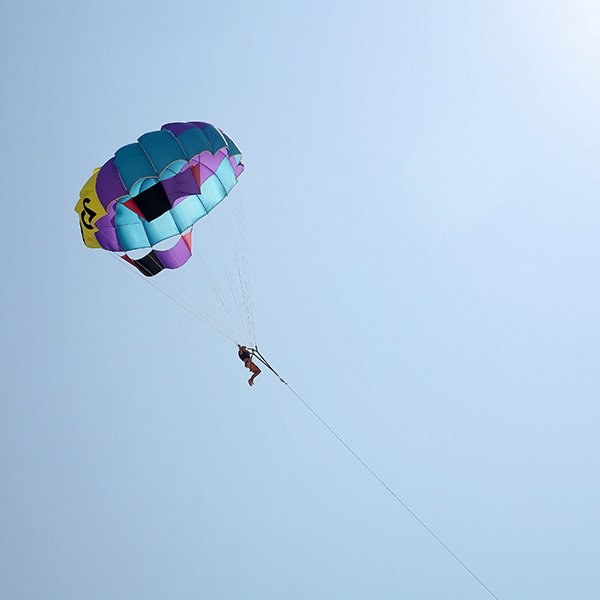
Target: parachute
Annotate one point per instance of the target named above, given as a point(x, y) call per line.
point(145, 200)
point(143, 203)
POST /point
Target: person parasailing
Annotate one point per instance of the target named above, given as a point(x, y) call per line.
point(246, 357)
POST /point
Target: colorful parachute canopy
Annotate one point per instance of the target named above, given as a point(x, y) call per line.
point(144, 201)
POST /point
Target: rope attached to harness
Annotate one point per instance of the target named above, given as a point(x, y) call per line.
point(261, 358)
point(254, 352)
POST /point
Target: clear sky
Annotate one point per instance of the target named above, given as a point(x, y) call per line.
point(421, 206)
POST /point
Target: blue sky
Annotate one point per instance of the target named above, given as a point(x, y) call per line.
point(421, 209)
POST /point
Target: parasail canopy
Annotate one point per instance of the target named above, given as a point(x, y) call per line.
point(143, 202)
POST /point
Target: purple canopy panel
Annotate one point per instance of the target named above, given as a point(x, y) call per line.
point(209, 163)
point(177, 128)
point(176, 256)
point(180, 186)
point(109, 186)
point(107, 233)
point(237, 169)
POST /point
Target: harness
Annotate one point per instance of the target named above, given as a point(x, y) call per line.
point(255, 353)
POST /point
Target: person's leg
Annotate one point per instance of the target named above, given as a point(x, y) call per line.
point(255, 371)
